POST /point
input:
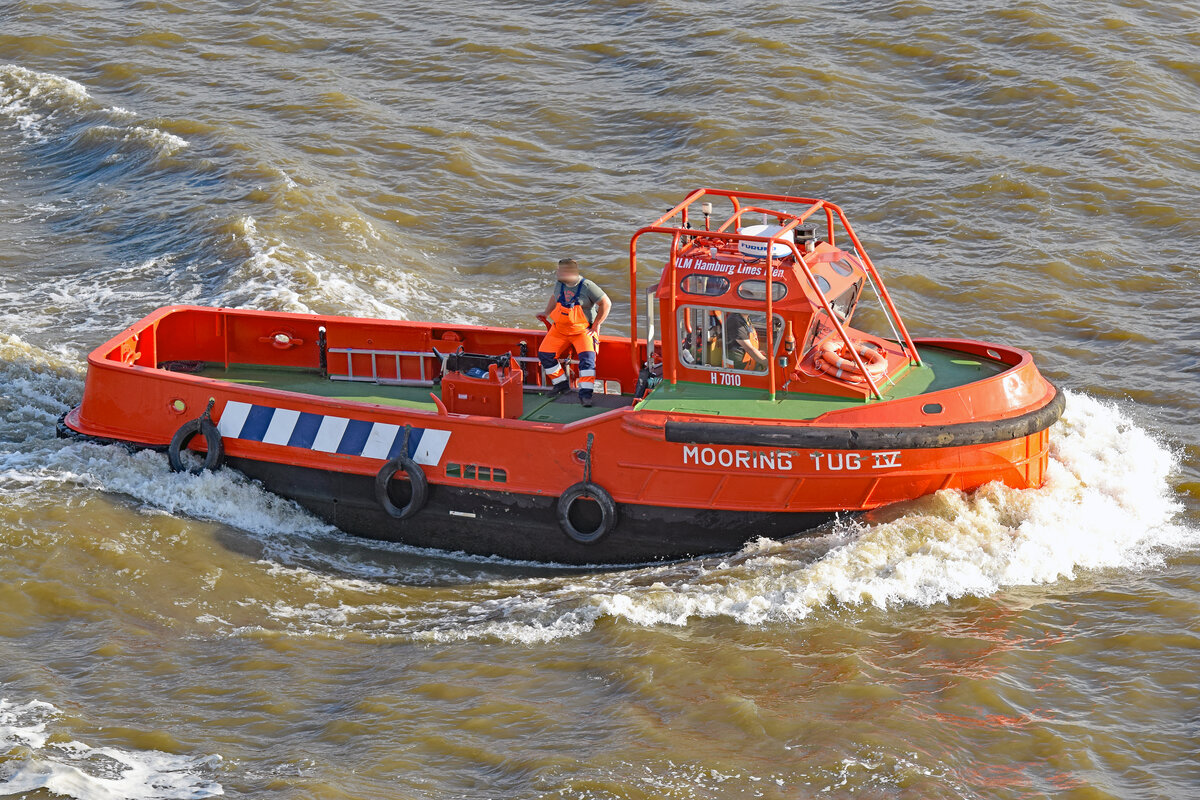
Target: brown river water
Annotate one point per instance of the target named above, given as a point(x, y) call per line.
point(1027, 172)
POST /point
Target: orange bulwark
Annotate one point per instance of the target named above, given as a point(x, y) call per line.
point(447, 436)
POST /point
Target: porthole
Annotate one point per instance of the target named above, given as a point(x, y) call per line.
point(757, 290)
point(707, 285)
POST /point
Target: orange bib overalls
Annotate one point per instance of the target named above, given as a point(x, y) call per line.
point(569, 330)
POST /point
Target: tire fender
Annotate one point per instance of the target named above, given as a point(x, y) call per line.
point(200, 426)
point(608, 512)
point(416, 477)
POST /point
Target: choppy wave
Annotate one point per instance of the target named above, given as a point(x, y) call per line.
point(208, 249)
point(278, 274)
point(33, 99)
point(137, 137)
point(33, 757)
point(45, 105)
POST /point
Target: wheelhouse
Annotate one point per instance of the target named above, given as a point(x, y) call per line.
point(721, 284)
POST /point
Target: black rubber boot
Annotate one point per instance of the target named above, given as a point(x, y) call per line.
point(559, 388)
point(585, 399)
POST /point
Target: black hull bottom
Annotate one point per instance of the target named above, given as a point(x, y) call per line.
point(519, 526)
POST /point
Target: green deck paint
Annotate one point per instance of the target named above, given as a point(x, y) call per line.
point(537, 407)
point(942, 369)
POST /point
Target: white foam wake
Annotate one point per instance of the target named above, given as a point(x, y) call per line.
point(30, 760)
point(40, 385)
point(1107, 504)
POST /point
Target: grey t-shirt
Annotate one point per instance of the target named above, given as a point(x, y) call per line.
point(589, 295)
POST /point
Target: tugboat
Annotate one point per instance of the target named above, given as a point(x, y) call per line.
point(756, 410)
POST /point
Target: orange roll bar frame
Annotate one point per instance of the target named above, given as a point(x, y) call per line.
point(722, 232)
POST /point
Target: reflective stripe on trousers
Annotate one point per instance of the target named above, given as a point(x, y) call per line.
point(554, 370)
point(556, 345)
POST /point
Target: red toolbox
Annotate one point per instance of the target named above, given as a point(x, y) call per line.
point(497, 395)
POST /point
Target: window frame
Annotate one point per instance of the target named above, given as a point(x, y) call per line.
point(704, 310)
point(849, 268)
point(854, 290)
point(781, 291)
point(686, 278)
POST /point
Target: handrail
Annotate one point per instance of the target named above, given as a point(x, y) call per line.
point(812, 280)
point(775, 237)
point(687, 201)
point(737, 217)
point(879, 285)
point(681, 208)
point(649, 344)
point(721, 232)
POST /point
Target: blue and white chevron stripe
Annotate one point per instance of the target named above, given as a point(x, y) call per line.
point(326, 434)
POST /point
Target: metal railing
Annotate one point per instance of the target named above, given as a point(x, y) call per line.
point(793, 220)
point(424, 377)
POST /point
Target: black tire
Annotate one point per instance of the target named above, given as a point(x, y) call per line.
point(200, 426)
point(416, 478)
point(580, 523)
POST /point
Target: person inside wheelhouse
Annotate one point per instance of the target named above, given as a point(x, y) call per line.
point(724, 339)
point(742, 344)
point(721, 319)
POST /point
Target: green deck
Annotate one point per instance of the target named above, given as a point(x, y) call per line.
point(941, 369)
point(537, 407)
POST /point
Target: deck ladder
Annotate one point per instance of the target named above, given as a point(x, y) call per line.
point(423, 378)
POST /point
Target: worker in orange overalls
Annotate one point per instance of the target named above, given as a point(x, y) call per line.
point(741, 344)
point(575, 312)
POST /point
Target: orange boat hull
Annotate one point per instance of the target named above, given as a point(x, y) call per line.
point(683, 484)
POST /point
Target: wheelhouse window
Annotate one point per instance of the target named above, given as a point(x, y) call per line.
point(707, 285)
point(757, 290)
point(725, 339)
point(842, 267)
point(843, 305)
